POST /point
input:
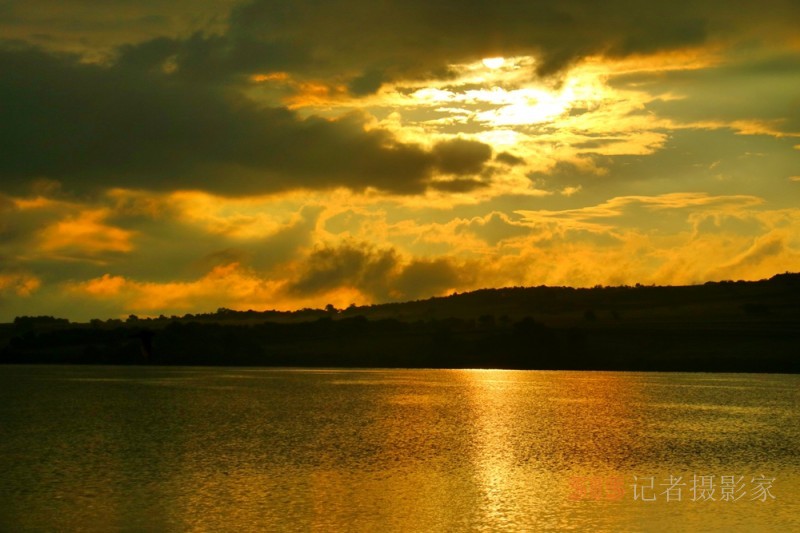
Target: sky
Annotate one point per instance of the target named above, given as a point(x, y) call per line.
point(178, 157)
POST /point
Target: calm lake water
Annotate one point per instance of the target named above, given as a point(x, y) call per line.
point(235, 449)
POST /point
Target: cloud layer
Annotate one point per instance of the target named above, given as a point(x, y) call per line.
point(179, 157)
point(90, 125)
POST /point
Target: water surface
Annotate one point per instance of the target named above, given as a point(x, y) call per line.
point(233, 449)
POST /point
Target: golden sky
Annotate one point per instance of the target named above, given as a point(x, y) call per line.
point(176, 157)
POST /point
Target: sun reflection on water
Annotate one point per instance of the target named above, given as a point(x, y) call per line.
point(388, 450)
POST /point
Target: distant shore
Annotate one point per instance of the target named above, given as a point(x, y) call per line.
point(716, 327)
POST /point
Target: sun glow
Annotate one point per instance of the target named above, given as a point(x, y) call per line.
point(510, 108)
point(494, 62)
point(501, 104)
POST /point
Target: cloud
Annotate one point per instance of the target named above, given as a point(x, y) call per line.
point(416, 38)
point(367, 44)
point(341, 275)
point(378, 274)
point(19, 284)
point(424, 277)
point(753, 94)
point(715, 161)
point(85, 235)
point(509, 159)
point(764, 251)
point(666, 212)
point(701, 240)
point(89, 126)
point(230, 283)
point(105, 286)
point(493, 228)
point(458, 185)
point(44, 228)
point(94, 29)
point(150, 236)
point(461, 156)
point(362, 267)
point(176, 157)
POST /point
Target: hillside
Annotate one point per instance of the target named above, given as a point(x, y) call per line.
point(725, 326)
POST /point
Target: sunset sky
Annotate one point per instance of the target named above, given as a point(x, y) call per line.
point(177, 157)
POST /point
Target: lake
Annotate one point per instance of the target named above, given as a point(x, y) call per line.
point(239, 449)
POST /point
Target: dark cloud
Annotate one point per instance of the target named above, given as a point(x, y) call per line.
point(365, 41)
point(93, 27)
point(509, 159)
point(151, 55)
point(378, 273)
point(362, 267)
point(460, 156)
point(597, 144)
point(423, 278)
point(222, 258)
point(460, 185)
point(366, 83)
point(494, 228)
point(415, 37)
point(568, 173)
point(7, 208)
point(365, 44)
point(127, 126)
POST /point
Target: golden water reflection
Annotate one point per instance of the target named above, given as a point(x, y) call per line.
point(534, 434)
point(388, 450)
